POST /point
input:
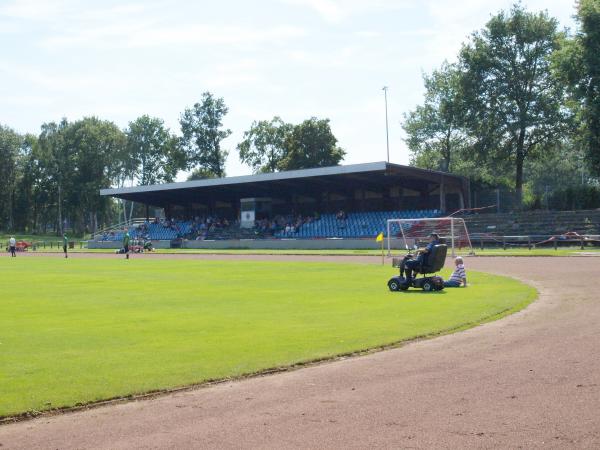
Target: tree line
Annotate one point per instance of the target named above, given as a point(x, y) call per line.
point(52, 180)
point(520, 107)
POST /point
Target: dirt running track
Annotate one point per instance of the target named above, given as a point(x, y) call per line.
point(531, 380)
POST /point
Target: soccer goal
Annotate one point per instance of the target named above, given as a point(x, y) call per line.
point(413, 232)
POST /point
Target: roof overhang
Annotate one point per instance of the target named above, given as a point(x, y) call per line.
point(341, 178)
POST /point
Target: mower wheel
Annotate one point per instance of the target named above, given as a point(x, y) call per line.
point(394, 285)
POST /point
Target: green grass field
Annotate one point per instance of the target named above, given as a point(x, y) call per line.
point(82, 330)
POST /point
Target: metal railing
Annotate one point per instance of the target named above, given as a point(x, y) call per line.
point(534, 241)
point(118, 227)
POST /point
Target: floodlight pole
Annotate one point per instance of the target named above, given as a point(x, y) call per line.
point(387, 134)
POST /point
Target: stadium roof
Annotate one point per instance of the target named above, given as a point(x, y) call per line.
point(341, 179)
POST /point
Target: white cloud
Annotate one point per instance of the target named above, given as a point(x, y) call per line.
point(145, 33)
point(336, 11)
point(213, 35)
point(368, 34)
point(69, 11)
point(35, 9)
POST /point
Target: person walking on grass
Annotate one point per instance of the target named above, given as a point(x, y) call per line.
point(126, 245)
point(12, 245)
point(65, 244)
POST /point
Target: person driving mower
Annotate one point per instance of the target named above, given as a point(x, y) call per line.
point(410, 265)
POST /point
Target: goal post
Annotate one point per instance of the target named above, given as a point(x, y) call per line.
point(413, 232)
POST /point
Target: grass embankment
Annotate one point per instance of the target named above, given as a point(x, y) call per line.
point(82, 330)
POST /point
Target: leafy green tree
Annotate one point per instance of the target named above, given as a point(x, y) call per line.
point(311, 144)
point(154, 150)
point(514, 104)
point(28, 177)
point(560, 168)
point(10, 144)
point(95, 146)
point(36, 187)
point(263, 147)
point(57, 162)
point(578, 64)
point(202, 129)
point(434, 130)
point(201, 174)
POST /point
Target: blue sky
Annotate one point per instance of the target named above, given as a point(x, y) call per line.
point(292, 58)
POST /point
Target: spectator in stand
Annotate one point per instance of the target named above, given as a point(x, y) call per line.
point(341, 218)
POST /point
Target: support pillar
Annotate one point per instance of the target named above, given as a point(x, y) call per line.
point(442, 195)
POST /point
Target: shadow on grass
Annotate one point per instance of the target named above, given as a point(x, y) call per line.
point(420, 291)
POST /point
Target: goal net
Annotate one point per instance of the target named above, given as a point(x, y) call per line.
point(411, 232)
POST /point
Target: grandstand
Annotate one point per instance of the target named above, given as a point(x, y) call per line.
point(345, 203)
point(355, 226)
point(301, 204)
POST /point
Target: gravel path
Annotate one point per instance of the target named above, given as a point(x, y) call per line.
point(531, 380)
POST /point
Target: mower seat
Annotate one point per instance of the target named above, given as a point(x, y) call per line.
point(435, 260)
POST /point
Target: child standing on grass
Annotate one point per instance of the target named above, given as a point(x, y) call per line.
point(459, 276)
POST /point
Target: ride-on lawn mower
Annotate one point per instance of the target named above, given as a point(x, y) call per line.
point(435, 262)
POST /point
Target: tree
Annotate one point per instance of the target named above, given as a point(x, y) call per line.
point(311, 144)
point(154, 150)
point(200, 174)
point(514, 104)
point(29, 178)
point(57, 161)
point(202, 129)
point(10, 144)
point(578, 64)
point(434, 130)
point(561, 168)
point(95, 145)
point(263, 147)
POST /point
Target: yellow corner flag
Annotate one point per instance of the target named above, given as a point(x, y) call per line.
point(379, 238)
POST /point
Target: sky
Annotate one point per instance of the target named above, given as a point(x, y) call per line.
point(295, 59)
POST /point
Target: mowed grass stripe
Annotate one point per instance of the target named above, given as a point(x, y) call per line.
point(82, 330)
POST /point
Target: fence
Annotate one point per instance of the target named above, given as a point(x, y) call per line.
point(566, 199)
point(535, 241)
